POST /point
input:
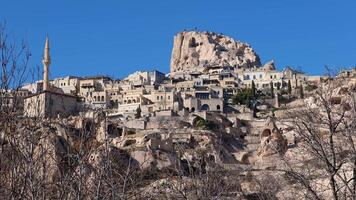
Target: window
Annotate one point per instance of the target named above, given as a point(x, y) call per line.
point(271, 77)
point(161, 97)
point(275, 76)
point(157, 97)
point(254, 77)
point(260, 76)
point(102, 98)
point(169, 97)
point(192, 43)
point(218, 107)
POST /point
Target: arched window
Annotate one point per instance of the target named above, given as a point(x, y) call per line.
point(218, 107)
point(102, 98)
point(205, 107)
point(94, 98)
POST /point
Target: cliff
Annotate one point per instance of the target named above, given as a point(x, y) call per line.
point(196, 51)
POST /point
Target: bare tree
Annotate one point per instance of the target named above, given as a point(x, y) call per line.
point(326, 129)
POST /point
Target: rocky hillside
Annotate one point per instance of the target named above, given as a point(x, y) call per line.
point(199, 50)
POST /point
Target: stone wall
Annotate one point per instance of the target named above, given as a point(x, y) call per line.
point(136, 124)
point(50, 104)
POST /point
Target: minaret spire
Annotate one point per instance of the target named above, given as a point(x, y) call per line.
point(46, 62)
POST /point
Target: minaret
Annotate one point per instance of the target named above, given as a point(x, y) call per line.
point(46, 62)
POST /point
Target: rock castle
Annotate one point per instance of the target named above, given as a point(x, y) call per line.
point(207, 70)
point(218, 110)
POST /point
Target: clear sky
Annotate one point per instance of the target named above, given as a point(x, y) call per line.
point(118, 37)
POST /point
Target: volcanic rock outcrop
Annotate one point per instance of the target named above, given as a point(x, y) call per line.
point(272, 140)
point(196, 51)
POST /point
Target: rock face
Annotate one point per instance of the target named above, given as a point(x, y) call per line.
point(269, 66)
point(196, 51)
point(272, 140)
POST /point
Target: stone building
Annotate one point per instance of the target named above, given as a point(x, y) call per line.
point(145, 78)
point(13, 99)
point(68, 85)
point(49, 102)
point(93, 90)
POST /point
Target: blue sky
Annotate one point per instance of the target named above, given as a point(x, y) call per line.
point(118, 37)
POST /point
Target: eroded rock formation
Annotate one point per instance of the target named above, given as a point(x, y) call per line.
point(196, 51)
point(272, 140)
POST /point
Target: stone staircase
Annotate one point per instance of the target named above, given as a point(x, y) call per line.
point(252, 142)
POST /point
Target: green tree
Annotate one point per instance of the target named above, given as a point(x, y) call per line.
point(289, 87)
point(301, 91)
point(272, 89)
point(253, 87)
point(138, 113)
point(244, 97)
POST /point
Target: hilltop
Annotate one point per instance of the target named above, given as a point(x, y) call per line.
point(196, 51)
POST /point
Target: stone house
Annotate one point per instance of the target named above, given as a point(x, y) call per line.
point(68, 85)
point(145, 78)
point(50, 104)
point(92, 90)
point(13, 98)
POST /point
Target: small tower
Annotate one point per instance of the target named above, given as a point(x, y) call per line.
point(46, 62)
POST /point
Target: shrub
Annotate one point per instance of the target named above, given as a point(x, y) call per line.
point(244, 97)
point(200, 123)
